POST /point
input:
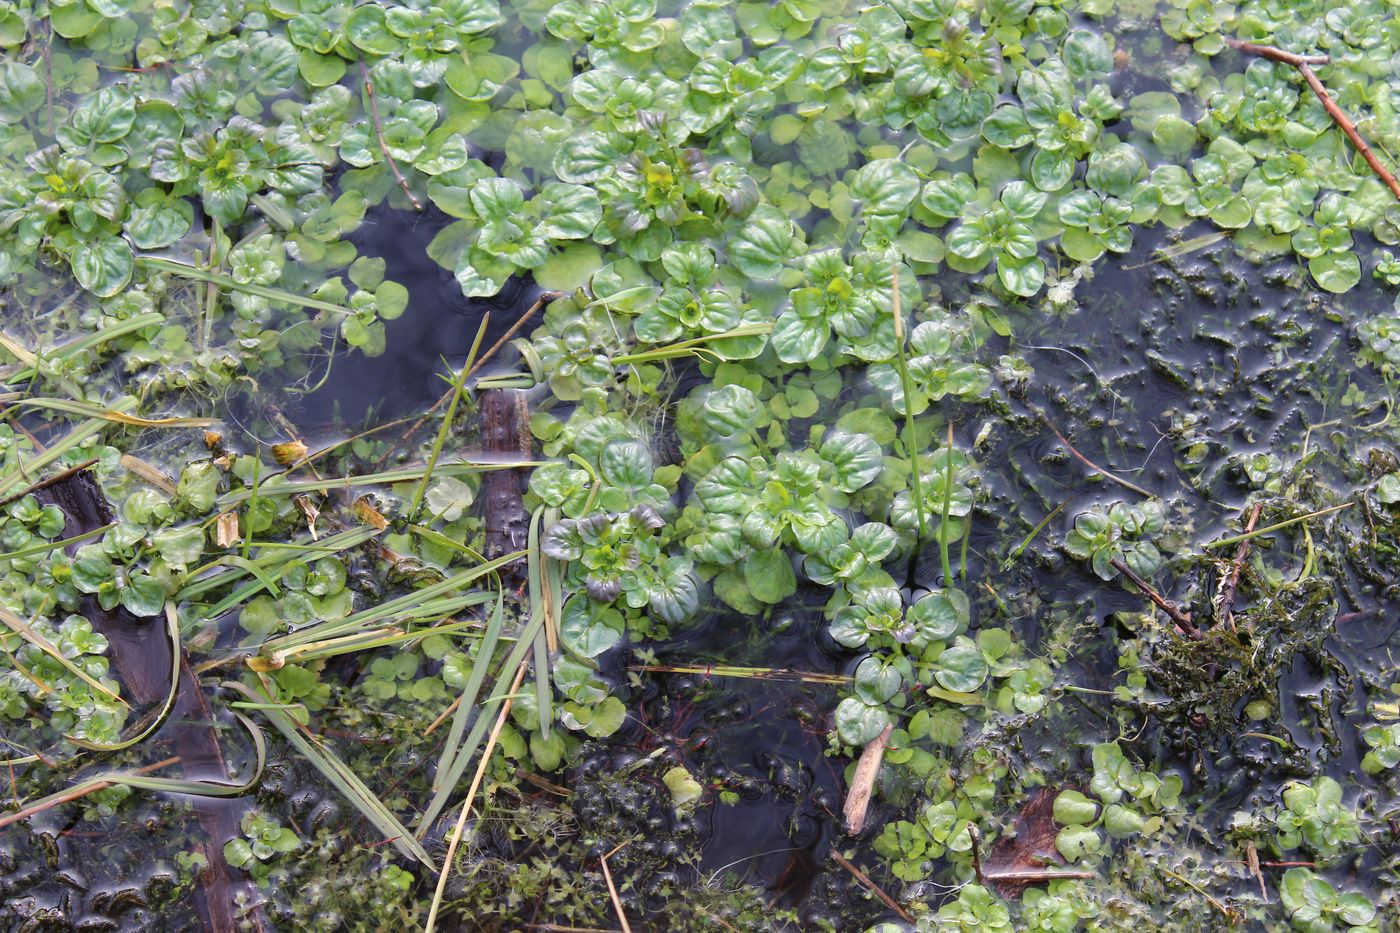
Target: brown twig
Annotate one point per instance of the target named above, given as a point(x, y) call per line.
point(976, 838)
point(58, 477)
point(1225, 605)
point(78, 793)
point(379, 134)
point(871, 886)
point(1304, 65)
point(612, 889)
point(1182, 620)
point(1085, 460)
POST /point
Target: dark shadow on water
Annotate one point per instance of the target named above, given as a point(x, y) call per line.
point(438, 323)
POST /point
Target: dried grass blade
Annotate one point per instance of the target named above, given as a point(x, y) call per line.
point(89, 410)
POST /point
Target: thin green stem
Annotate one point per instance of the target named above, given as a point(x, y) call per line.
point(1236, 539)
point(446, 427)
point(947, 505)
point(202, 275)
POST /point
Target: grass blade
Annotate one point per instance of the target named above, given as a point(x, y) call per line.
point(89, 410)
point(27, 632)
point(340, 777)
point(467, 701)
point(441, 438)
point(188, 271)
point(446, 783)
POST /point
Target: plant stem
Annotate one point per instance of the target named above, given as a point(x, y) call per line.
point(947, 504)
point(1225, 605)
point(906, 383)
point(203, 275)
point(446, 427)
point(379, 135)
point(1085, 460)
point(1182, 620)
point(871, 886)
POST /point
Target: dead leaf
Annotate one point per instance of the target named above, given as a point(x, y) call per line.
point(288, 453)
point(368, 514)
point(311, 512)
point(226, 529)
point(1031, 849)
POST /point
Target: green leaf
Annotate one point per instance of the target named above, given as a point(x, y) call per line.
point(1336, 272)
point(857, 460)
point(568, 212)
point(158, 219)
point(626, 464)
point(368, 30)
point(888, 186)
point(858, 723)
point(103, 265)
point(769, 575)
point(962, 667)
point(763, 243)
point(1072, 808)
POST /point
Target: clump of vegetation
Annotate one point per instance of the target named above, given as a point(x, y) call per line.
point(793, 266)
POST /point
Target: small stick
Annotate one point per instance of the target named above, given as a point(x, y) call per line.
point(1182, 620)
point(540, 302)
point(1304, 65)
point(58, 477)
point(1031, 877)
point(863, 783)
point(1086, 461)
point(1224, 608)
point(1252, 859)
point(612, 889)
point(379, 134)
point(871, 886)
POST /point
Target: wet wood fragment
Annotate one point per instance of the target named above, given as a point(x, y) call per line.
point(505, 435)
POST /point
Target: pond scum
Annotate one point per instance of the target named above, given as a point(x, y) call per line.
point(992, 399)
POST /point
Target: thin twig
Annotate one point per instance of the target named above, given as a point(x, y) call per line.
point(1085, 460)
point(58, 477)
point(379, 134)
point(976, 838)
point(77, 793)
point(545, 298)
point(1182, 620)
point(1304, 65)
point(612, 889)
point(871, 886)
point(1224, 608)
